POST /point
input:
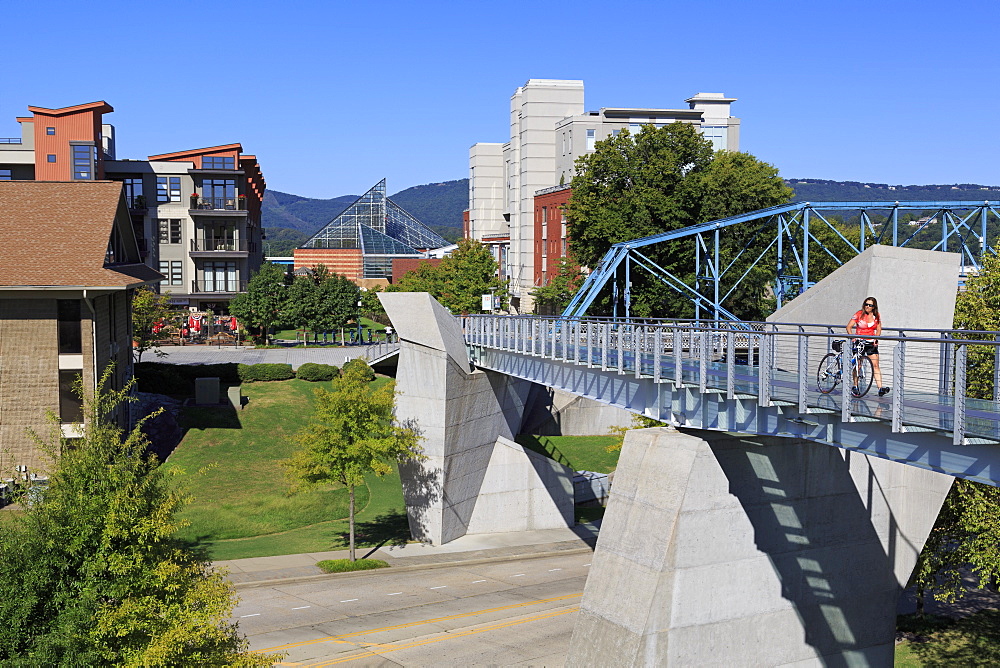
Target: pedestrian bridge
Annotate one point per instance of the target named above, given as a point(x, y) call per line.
point(762, 378)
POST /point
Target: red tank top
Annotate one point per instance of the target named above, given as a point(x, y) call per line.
point(865, 325)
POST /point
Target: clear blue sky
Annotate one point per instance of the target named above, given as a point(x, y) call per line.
point(332, 96)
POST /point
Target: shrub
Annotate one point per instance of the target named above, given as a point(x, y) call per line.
point(359, 367)
point(346, 565)
point(314, 372)
point(265, 371)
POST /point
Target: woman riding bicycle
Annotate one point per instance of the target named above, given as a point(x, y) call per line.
point(868, 322)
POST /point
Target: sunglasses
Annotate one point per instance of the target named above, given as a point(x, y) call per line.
point(869, 304)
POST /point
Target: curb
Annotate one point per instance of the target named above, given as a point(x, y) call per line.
point(413, 567)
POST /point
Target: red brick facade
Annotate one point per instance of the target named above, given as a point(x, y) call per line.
point(550, 233)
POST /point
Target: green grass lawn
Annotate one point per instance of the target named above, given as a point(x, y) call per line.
point(580, 453)
point(242, 505)
point(972, 641)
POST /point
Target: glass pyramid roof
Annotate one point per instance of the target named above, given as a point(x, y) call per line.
point(378, 226)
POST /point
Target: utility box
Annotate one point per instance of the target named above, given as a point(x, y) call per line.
point(591, 488)
point(206, 391)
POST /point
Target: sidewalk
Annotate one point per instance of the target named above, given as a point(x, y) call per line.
point(256, 571)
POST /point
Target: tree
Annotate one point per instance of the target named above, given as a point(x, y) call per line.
point(461, 279)
point(967, 531)
point(260, 307)
point(148, 309)
point(352, 432)
point(553, 298)
point(93, 569)
point(664, 179)
point(321, 302)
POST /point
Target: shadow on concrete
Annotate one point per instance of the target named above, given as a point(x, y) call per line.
point(818, 533)
point(421, 490)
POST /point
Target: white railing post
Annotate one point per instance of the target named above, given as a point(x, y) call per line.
point(958, 434)
point(730, 365)
point(898, 376)
point(803, 369)
point(764, 372)
point(703, 360)
point(657, 353)
point(678, 362)
point(620, 361)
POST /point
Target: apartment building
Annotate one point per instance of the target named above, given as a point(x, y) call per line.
point(195, 214)
point(549, 130)
point(69, 263)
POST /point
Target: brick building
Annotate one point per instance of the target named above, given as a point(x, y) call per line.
point(69, 266)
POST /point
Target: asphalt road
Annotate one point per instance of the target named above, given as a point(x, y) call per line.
point(503, 613)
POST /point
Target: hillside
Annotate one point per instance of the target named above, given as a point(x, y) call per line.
point(289, 220)
point(819, 190)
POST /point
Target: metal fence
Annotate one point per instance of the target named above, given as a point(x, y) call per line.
point(940, 380)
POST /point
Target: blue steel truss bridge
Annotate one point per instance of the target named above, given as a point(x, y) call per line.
point(764, 378)
point(789, 238)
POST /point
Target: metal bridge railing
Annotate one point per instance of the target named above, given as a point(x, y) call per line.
point(941, 380)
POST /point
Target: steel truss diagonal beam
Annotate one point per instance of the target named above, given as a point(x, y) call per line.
point(969, 228)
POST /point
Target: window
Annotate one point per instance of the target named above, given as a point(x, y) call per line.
point(170, 230)
point(173, 272)
point(168, 189)
point(133, 193)
point(570, 133)
point(591, 139)
point(715, 134)
point(217, 162)
point(5, 175)
point(219, 193)
point(50, 131)
point(51, 157)
point(84, 158)
point(68, 317)
point(70, 403)
point(221, 277)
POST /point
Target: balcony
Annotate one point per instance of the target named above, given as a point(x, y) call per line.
point(218, 248)
point(218, 205)
point(218, 286)
point(136, 204)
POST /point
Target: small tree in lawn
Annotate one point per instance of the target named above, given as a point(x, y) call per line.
point(148, 308)
point(352, 432)
point(260, 307)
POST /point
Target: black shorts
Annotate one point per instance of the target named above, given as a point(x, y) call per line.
point(871, 348)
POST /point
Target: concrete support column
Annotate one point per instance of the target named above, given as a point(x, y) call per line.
point(475, 478)
point(722, 550)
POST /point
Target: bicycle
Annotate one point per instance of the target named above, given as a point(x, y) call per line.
point(831, 368)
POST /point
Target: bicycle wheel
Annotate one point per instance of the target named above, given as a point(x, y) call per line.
point(865, 372)
point(828, 374)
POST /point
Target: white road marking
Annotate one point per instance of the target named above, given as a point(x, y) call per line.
point(302, 607)
point(395, 593)
point(554, 569)
point(475, 581)
point(586, 564)
point(441, 587)
point(349, 600)
point(256, 614)
point(518, 575)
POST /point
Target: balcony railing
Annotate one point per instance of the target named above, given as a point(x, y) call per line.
point(219, 203)
point(219, 285)
point(136, 201)
point(209, 245)
point(10, 140)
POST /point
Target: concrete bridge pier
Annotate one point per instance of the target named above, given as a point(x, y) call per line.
point(733, 550)
point(475, 478)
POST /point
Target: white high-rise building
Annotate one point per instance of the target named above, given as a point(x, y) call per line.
point(549, 130)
